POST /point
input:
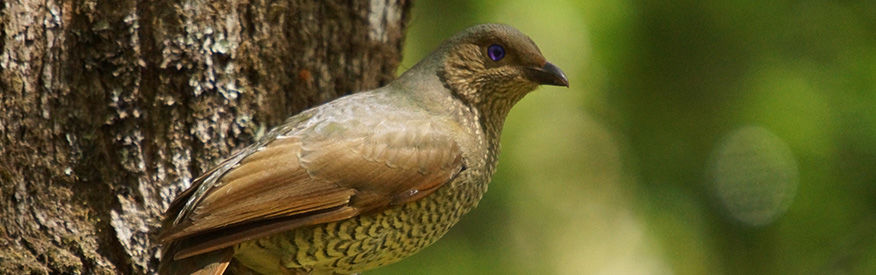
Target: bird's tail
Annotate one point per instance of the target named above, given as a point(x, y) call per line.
point(212, 263)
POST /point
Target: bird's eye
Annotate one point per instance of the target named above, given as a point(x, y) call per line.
point(496, 52)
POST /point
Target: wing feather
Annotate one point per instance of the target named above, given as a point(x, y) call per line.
point(309, 177)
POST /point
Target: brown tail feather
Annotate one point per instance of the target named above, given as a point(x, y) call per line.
point(212, 263)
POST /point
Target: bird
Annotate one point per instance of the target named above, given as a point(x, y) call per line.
point(364, 180)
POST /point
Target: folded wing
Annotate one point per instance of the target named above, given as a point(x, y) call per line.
point(321, 174)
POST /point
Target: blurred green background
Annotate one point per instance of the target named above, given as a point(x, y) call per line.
point(698, 137)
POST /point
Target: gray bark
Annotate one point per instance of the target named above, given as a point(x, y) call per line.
point(108, 109)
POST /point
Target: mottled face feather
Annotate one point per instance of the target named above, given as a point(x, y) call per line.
point(491, 65)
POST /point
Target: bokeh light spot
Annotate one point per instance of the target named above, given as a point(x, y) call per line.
point(754, 175)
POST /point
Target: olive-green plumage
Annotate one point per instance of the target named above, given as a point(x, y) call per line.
point(365, 180)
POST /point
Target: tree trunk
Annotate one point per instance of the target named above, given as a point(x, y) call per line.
point(108, 109)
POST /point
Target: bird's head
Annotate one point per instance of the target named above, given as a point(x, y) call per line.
point(496, 65)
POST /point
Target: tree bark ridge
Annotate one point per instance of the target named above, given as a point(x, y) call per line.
point(110, 108)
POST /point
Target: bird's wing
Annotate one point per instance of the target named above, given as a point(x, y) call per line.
point(329, 173)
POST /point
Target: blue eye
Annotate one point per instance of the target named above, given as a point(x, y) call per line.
point(496, 52)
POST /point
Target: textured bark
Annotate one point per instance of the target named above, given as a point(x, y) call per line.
point(109, 108)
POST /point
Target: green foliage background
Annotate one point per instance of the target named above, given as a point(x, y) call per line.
point(645, 166)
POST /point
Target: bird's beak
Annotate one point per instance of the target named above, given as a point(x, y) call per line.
point(548, 75)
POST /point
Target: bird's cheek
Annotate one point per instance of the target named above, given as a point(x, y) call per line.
point(523, 84)
point(516, 87)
